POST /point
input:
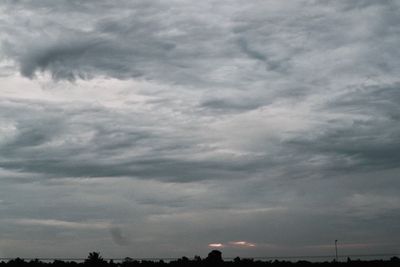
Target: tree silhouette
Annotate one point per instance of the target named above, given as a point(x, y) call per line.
point(94, 259)
point(214, 257)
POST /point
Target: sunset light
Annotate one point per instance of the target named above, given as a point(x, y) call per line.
point(215, 245)
point(242, 244)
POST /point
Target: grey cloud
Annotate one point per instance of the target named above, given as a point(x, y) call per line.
point(84, 58)
point(369, 138)
point(231, 105)
point(253, 53)
point(94, 142)
point(273, 122)
point(378, 101)
point(162, 42)
point(122, 46)
point(118, 236)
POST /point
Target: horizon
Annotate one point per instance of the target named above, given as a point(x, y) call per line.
point(309, 258)
point(160, 129)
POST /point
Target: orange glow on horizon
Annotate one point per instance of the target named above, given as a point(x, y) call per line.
point(243, 244)
point(237, 244)
point(216, 245)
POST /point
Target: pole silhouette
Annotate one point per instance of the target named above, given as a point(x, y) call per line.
point(336, 254)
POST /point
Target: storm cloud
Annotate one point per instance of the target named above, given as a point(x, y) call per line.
point(154, 129)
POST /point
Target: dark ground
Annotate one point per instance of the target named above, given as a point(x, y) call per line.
point(214, 259)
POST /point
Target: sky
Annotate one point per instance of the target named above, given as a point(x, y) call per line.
point(169, 128)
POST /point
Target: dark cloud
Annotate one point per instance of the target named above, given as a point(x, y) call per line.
point(89, 142)
point(366, 134)
point(270, 122)
point(121, 43)
point(234, 104)
point(118, 237)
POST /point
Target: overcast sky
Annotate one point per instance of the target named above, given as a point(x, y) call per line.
point(168, 128)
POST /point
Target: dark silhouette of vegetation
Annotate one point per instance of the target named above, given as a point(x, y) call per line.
point(94, 259)
point(214, 259)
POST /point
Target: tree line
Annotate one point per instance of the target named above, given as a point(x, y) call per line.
point(214, 259)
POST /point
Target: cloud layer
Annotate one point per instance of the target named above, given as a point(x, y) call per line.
point(156, 129)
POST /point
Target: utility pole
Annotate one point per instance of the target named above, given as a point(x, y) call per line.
point(336, 250)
